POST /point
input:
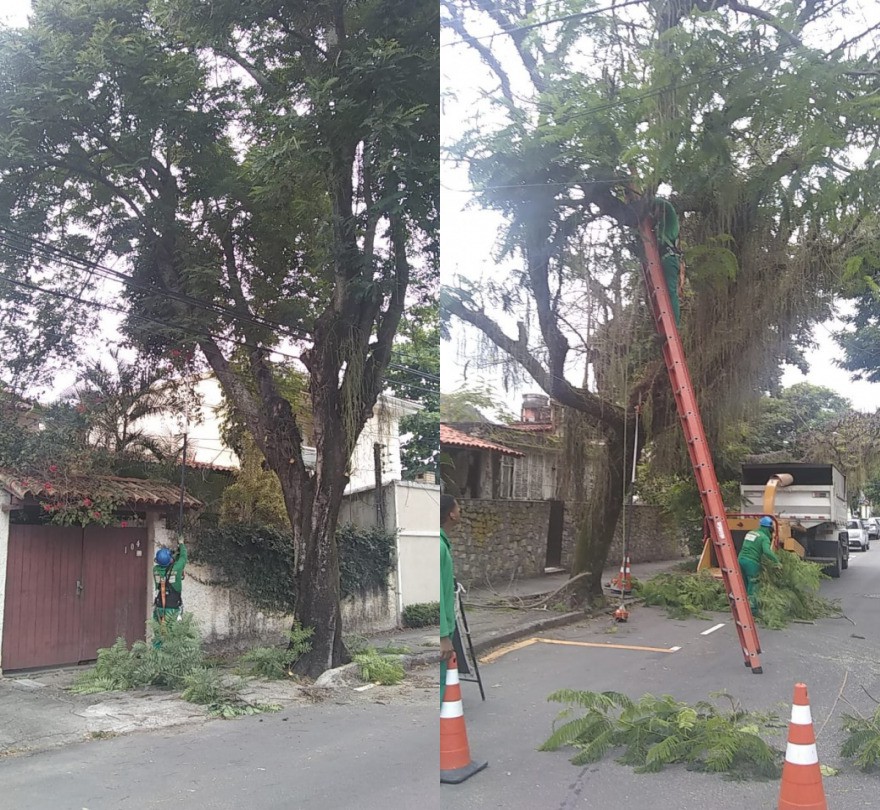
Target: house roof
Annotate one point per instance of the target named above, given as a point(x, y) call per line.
point(531, 427)
point(455, 438)
point(132, 492)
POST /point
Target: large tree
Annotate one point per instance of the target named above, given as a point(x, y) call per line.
point(269, 172)
point(725, 109)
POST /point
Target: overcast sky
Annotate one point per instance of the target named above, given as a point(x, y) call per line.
point(470, 236)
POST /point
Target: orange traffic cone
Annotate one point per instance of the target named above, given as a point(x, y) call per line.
point(801, 778)
point(622, 583)
point(456, 764)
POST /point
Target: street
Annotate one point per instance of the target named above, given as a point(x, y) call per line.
point(516, 718)
point(376, 755)
point(369, 755)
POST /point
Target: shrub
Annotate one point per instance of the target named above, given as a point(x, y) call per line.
point(422, 614)
point(275, 662)
point(258, 560)
point(376, 668)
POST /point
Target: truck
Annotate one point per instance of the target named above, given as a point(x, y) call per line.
point(808, 505)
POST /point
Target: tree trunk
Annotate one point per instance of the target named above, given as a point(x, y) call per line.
point(317, 583)
point(601, 514)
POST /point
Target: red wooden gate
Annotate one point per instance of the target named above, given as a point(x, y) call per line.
point(71, 591)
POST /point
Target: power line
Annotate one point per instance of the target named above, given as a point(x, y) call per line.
point(107, 273)
point(529, 26)
point(165, 324)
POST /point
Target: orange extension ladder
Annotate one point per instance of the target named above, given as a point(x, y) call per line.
point(701, 458)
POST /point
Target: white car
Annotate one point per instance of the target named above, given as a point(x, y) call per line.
point(858, 535)
point(873, 529)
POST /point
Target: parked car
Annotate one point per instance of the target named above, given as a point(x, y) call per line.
point(858, 535)
point(873, 528)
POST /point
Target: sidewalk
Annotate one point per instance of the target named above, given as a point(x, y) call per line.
point(38, 713)
point(493, 622)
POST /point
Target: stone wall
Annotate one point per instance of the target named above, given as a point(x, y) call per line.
point(498, 541)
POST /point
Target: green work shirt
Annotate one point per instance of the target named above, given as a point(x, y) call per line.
point(175, 579)
point(447, 588)
point(666, 221)
point(757, 544)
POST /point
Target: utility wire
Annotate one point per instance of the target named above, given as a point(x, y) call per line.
point(32, 246)
point(167, 325)
point(566, 18)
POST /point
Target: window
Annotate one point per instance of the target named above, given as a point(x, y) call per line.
point(506, 488)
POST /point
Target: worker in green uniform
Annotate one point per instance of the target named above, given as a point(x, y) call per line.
point(667, 229)
point(756, 545)
point(168, 581)
point(450, 513)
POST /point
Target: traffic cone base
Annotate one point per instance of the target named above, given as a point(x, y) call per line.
point(801, 777)
point(622, 583)
point(456, 764)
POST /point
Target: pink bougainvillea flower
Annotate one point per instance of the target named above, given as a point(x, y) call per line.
point(53, 468)
point(87, 502)
point(123, 524)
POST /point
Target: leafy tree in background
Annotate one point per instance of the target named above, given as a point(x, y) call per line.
point(749, 130)
point(269, 172)
point(468, 404)
point(115, 400)
point(420, 353)
point(801, 409)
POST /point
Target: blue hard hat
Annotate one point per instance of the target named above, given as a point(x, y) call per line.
point(767, 522)
point(164, 557)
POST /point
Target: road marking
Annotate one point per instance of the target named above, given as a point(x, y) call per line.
point(519, 645)
point(712, 629)
point(509, 648)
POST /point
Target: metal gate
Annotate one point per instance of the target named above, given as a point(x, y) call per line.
point(71, 591)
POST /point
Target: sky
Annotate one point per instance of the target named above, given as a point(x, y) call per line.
point(468, 242)
point(469, 238)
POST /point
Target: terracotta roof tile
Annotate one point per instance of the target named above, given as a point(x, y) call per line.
point(455, 438)
point(132, 492)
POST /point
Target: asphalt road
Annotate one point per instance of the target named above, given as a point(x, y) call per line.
point(374, 756)
point(836, 666)
point(333, 757)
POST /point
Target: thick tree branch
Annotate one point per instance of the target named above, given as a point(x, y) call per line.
point(579, 399)
point(456, 23)
point(734, 5)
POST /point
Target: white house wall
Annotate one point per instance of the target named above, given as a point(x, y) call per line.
point(417, 519)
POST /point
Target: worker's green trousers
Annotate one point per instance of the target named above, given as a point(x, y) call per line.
point(169, 615)
point(751, 571)
point(670, 271)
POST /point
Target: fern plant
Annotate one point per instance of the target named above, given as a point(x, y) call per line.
point(275, 662)
point(377, 668)
point(168, 665)
point(863, 742)
point(658, 731)
point(207, 687)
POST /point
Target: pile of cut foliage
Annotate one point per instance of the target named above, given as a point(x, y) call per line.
point(658, 731)
point(785, 595)
point(178, 663)
point(792, 593)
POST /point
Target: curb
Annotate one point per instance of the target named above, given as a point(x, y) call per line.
point(530, 629)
